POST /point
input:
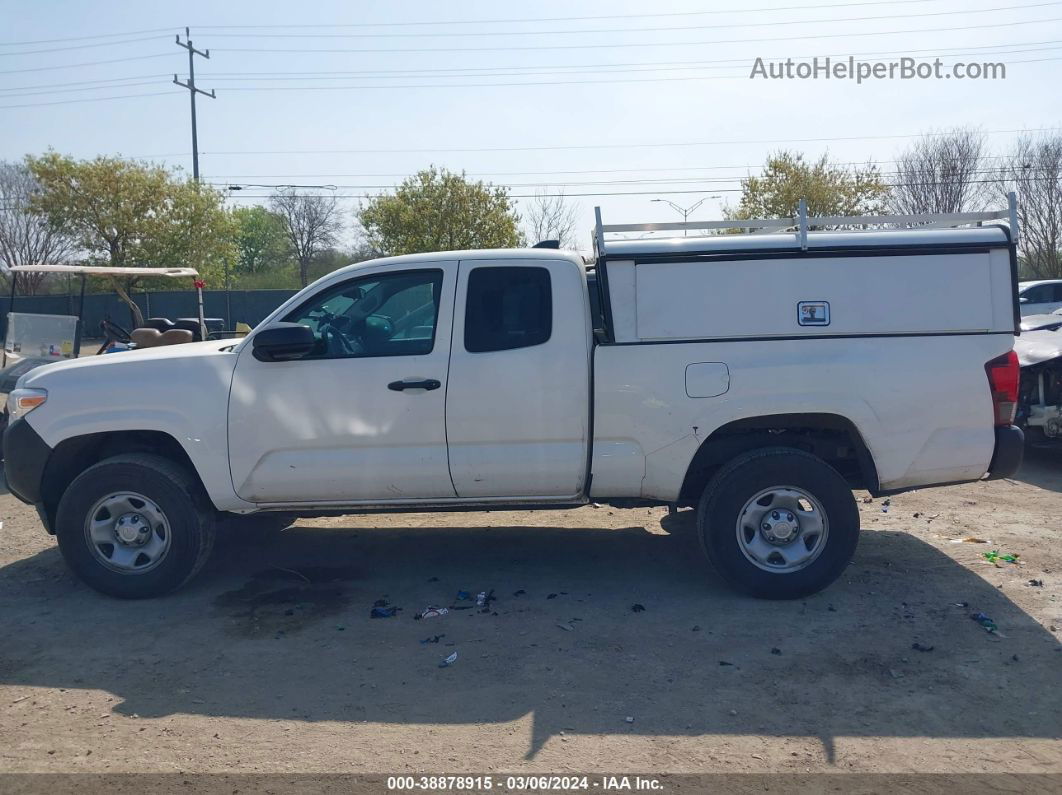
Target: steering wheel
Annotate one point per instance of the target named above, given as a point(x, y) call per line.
point(334, 330)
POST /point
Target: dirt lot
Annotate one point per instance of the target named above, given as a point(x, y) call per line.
point(269, 661)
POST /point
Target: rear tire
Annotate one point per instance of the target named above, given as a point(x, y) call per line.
point(763, 498)
point(135, 526)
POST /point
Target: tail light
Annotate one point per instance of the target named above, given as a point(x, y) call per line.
point(1003, 374)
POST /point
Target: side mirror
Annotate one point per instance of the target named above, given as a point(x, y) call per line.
point(1022, 299)
point(283, 342)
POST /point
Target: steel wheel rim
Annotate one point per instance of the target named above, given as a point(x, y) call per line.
point(128, 533)
point(778, 513)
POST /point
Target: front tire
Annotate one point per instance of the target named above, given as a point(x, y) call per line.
point(778, 523)
point(135, 526)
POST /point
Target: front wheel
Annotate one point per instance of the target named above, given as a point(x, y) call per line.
point(778, 523)
point(135, 526)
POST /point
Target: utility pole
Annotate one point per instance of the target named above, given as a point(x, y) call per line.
point(192, 91)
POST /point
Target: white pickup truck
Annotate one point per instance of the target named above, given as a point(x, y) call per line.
point(758, 377)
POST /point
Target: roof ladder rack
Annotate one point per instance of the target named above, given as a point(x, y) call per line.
point(802, 223)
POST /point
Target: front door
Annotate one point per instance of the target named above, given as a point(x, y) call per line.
point(363, 416)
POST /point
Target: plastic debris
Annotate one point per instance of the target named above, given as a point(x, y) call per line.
point(968, 540)
point(433, 639)
point(449, 661)
point(432, 612)
point(985, 621)
point(885, 505)
point(868, 500)
point(919, 647)
point(696, 628)
point(629, 719)
point(463, 596)
point(481, 598)
point(961, 604)
point(637, 608)
point(1036, 583)
point(776, 651)
point(383, 612)
point(566, 627)
point(995, 558)
point(724, 662)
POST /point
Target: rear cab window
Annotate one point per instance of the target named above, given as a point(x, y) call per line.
point(507, 308)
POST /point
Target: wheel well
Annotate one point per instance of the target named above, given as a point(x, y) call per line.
point(830, 437)
point(73, 456)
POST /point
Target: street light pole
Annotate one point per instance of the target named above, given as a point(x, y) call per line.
point(685, 210)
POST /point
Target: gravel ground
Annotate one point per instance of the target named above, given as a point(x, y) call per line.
point(269, 662)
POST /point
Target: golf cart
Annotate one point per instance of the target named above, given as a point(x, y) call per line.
point(32, 340)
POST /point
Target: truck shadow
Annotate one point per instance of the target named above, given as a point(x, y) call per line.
point(1042, 467)
point(280, 628)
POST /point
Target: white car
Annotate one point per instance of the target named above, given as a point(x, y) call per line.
point(1040, 297)
point(757, 377)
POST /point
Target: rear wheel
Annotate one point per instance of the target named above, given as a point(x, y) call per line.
point(778, 523)
point(135, 526)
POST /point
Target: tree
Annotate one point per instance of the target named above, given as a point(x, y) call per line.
point(945, 173)
point(261, 239)
point(438, 210)
point(26, 237)
point(311, 224)
point(829, 189)
point(128, 213)
point(1034, 171)
point(550, 217)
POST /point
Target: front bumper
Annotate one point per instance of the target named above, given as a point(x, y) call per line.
point(25, 456)
point(1010, 449)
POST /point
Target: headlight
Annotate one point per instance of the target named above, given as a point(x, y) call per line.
point(24, 400)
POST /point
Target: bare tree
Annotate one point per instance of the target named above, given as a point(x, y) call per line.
point(311, 224)
point(1034, 171)
point(551, 217)
point(27, 238)
point(945, 173)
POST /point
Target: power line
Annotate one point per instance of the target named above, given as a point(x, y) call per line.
point(507, 71)
point(93, 99)
point(640, 192)
point(81, 46)
point(568, 19)
point(331, 25)
point(639, 30)
point(588, 46)
point(86, 82)
point(743, 75)
point(86, 63)
point(478, 174)
point(582, 184)
point(84, 38)
point(597, 146)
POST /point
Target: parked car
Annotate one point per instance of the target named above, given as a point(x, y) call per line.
point(1040, 297)
point(758, 378)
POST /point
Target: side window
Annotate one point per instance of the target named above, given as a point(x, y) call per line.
point(507, 308)
point(1056, 292)
point(388, 315)
point(1040, 294)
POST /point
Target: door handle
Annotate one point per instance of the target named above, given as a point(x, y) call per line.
point(427, 383)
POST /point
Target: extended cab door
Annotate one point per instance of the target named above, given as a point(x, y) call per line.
point(362, 416)
point(518, 401)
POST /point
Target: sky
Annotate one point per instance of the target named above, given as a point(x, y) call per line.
point(627, 100)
